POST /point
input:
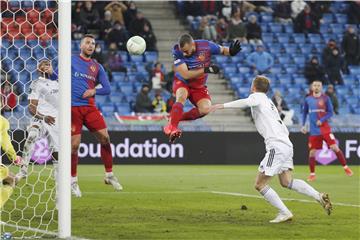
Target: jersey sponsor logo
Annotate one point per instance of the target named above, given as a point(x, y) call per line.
point(177, 61)
point(84, 75)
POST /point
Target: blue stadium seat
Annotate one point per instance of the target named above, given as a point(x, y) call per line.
point(244, 70)
point(341, 18)
point(291, 70)
point(337, 28)
point(127, 88)
point(123, 108)
point(324, 28)
point(100, 99)
point(119, 76)
point(266, 18)
point(124, 56)
point(275, 27)
point(221, 59)
point(355, 70)
point(136, 58)
point(289, 28)
point(151, 56)
point(299, 38)
point(290, 48)
point(116, 98)
point(314, 38)
point(299, 60)
point(107, 108)
point(276, 70)
point(327, 18)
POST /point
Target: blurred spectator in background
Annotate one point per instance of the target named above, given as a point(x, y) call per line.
point(314, 71)
point(211, 7)
point(319, 7)
point(253, 31)
point(118, 35)
point(261, 6)
point(237, 28)
point(282, 12)
point(332, 62)
point(149, 38)
point(330, 91)
point(114, 60)
point(157, 76)
point(226, 10)
point(353, 12)
point(8, 97)
point(351, 46)
point(260, 61)
point(130, 14)
point(170, 102)
point(307, 22)
point(143, 102)
point(193, 10)
point(89, 16)
point(297, 6)
point(280, 104)
point(159, 104)
point(106, 25)
point(206, 30)
point(116, 9)
point(221, 29)
point(77, 29)
point(99, 54)
point(169, 78)
point(137, 25)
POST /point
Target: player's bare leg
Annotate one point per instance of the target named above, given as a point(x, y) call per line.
point(261, 185)
point(312, 164)
point(103, 137)
point(300, 186)
point(171, 129)
point(75, 143)
point(341, 157)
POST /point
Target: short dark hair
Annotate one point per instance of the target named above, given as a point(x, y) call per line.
point(261, 83)
point(185, 39)
point(88, 36)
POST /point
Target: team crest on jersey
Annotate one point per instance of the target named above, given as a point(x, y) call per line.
point(93, 68)
point(321, 102)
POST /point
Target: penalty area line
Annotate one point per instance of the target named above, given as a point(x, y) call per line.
point(284, 199)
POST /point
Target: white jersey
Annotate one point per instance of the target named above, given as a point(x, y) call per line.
point(46, 91)
point(266, 117)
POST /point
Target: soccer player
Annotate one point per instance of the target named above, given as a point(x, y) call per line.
point(87, 73)
point(43, 106)
point(320, 110)
point(279, 150)
point(192, 65)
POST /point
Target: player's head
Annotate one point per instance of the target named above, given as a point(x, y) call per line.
point(45, 68)
point(187, 45)
point(87, 45)
point(260, 84)
point(316, 86)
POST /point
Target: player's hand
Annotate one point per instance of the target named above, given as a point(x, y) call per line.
point(234, 48)
point(49, 120)
point(215, 107)
point(18, 161)
point(304, 130)
point(89, 93)
point(318, 123)
point(10, 180)
point(212, 69)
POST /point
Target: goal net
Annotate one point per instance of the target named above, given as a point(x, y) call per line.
point(28, 35)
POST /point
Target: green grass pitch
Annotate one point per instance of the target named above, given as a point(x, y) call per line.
point(177, 202)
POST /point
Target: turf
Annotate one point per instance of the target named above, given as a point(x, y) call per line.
point(176, 202)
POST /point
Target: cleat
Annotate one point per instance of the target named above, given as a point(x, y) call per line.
point(175, 134)
point(20, 175)
point(75, 190)
point(325, 203)
point(348, 171)
point(311, 178)
point(282, 217)
point(112, 180)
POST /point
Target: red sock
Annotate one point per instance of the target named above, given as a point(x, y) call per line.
point(341, 157)
point(176, 114)
point(193, 114)
point(106, 157)
point(312, 164)
point(74, 163)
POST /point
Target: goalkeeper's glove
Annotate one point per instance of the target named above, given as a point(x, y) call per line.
point(234, 48)
point(212, 69)
point(18, 161)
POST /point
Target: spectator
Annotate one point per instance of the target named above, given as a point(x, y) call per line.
point(282, 12)
point(193, 10)
point(137, 25)
point(206, 30)
point(106, 25)
point(170, 102)
point(159, 104)
point(149, 38)
point(169, 78)
point(221, 29)
point(280, 104)
point(332, 95)
point(89, 16)
point(319, 7)
point(314, 71)
point(351, 46)
point(226, 10)
point(130, 14)
point(8, 98)
point(237, 29)
point(260, 61)
point(297, 6)
point(143, 102)
point(116, 9)
point(253, 31)
point(77, 29)
point(118, 36)
point(157, 77)
point(211, 7)
point(98, 54)
point(353, 12)
point(114, 60)
point(307, 22)
point(261, 6)
point(332, 62)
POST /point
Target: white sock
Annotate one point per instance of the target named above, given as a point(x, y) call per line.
point(109, 174)
point(302, 187)
point(273, 198)
point(74, 179)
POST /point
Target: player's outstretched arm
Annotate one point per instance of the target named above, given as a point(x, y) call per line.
point(190, 74)
point(251, 101)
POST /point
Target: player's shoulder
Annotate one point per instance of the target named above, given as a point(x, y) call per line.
point(176, 52)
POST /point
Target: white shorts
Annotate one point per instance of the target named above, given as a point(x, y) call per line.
point(278, 159)
point(51, 132)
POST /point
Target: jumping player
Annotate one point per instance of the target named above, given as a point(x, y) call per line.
point(87, 73)
point(279, 150)
point(192, 65)
point(320, 110)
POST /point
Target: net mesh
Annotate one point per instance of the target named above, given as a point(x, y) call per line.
point(28, 35)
